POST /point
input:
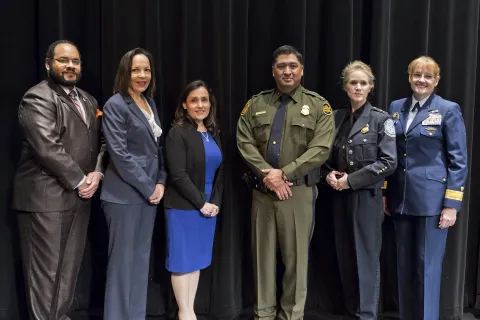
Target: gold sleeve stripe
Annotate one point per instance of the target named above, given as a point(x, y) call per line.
point(454, 195)
point(384, 187)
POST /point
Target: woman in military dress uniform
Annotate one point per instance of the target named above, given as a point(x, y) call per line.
point(425, 192)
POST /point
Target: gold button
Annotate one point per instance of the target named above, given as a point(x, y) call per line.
point(404, 154)
point(444, 179)
point(430, 133)
point(303, 125)
point(274, 142)
point(405, 139)
point(404, 170)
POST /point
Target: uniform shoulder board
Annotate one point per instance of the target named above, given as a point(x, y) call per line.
point(261, 93)
point(379, 110)
point(313, 94)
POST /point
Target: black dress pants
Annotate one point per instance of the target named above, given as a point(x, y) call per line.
point(358, 218)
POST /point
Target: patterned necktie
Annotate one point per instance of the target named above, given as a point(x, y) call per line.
point(73, 96)
point(416, 107)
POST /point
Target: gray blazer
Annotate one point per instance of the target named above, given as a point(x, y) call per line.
point(136, 160)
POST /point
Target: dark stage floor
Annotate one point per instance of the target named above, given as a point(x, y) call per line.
point(96, 315)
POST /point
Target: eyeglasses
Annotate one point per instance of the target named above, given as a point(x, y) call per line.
point(418, 76)
point(65, 61)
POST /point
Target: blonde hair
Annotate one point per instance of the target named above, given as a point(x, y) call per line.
point(357, 66)
point(424, 61)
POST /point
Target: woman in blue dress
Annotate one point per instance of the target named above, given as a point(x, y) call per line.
point(194, 194)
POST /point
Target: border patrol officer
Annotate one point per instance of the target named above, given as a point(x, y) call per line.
point(425, 192)
point(284, 135)
point(363, 154)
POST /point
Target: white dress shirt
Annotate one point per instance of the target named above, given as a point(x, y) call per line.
point(412, 114)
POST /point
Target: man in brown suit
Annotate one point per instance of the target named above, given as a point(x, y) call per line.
point(59, 171)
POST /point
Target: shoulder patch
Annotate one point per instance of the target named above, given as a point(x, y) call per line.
point(389, 128)
point(327, 109)
point(245, 109)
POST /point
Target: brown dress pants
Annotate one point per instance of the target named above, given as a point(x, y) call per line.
point(52, 245)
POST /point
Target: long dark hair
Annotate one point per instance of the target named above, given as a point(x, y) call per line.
point(181, 115)
point(124, 73)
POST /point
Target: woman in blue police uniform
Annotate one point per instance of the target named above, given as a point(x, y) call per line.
point(425, 192)
point(363, 154)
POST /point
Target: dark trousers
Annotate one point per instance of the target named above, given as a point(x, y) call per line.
point(130, 229)
point(52, 245)
point(358, 217)
point(420, 251)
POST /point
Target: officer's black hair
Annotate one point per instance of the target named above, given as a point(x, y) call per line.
point(51, 49)
point(287, 49)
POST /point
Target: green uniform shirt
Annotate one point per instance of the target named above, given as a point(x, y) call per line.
point(307, 135)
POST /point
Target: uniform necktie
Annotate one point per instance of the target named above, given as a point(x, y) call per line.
point(273, 150)
point(73, 96)
point(416, 107)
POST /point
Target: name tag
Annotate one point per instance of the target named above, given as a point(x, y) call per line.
point(434, 119)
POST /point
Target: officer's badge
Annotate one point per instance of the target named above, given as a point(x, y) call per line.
point(327, 109)
point(434, 119)
point(430, 128)
point(244, 110)
point(305, 110)
point(260, 113)
point(365, 129)
point(395, 116)
point(389, 128)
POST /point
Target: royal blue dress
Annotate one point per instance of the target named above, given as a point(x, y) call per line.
point(189, 233)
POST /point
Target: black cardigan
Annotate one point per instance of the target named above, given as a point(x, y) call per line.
point(185, 162)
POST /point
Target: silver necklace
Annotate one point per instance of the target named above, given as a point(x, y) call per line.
point(205, 136)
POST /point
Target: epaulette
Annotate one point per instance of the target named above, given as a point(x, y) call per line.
point(261, 93)
point(313, 94)
point(379, 110)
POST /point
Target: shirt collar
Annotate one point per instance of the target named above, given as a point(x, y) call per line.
point(295, 94)
point(67, 90)
point(358, 113)
point(421, 102)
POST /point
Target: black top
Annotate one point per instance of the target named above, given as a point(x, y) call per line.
point(185, 161)
point(338, 153)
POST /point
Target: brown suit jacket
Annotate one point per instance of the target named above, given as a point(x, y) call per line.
point(58, 148)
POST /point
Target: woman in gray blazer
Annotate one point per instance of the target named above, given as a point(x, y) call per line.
point(133, 186)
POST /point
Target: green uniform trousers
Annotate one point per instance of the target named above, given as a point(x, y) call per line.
point(286, 225)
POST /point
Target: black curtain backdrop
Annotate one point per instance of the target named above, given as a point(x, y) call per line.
point(229, 44)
